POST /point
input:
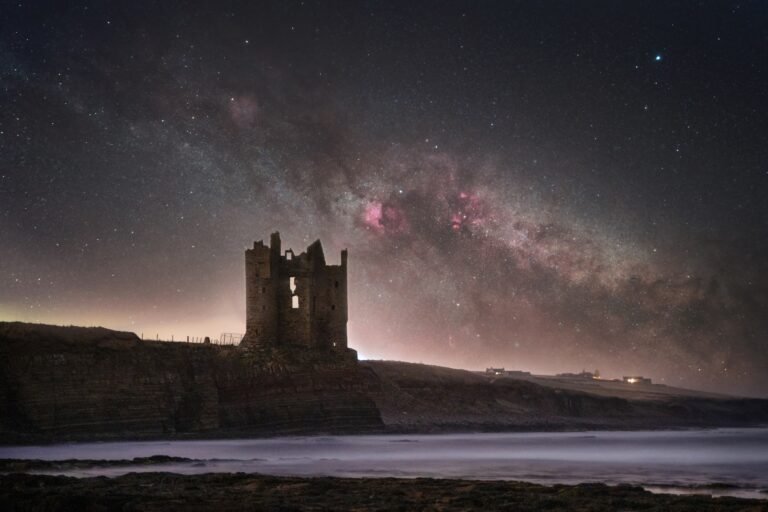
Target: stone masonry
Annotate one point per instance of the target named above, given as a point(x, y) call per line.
point(294, 299)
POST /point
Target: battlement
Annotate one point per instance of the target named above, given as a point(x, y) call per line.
point(294, 299)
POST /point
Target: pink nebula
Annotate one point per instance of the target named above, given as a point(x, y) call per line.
point(385, 218)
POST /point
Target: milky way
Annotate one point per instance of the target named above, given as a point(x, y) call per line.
point(519, 185)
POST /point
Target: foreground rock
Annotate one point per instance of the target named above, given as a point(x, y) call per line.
point(33, 465)
point(234, 492)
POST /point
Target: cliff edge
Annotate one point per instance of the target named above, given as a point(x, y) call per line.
point(70, 383)
point(75, 383)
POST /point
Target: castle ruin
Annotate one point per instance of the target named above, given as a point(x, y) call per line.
point(294, 299)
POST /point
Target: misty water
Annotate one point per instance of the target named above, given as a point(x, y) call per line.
point(720, 462)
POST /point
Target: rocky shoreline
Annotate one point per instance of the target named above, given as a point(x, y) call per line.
point(238, 492)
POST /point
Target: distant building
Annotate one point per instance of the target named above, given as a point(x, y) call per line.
point(501, 372)
point(638, 379)
point(582, 375)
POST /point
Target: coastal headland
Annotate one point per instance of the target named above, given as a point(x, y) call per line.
point(75, 383)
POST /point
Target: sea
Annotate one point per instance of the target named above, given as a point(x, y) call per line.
point(718, 462)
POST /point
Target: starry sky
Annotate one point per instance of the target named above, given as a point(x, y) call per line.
point(547, 186)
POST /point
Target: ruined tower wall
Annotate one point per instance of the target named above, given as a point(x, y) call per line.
point(261, 286)
point(295, 299)
point(296, 322)
point(330, 311)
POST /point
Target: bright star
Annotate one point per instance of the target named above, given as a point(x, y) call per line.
point(657, 58)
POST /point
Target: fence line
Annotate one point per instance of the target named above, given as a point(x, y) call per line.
point(226, 338)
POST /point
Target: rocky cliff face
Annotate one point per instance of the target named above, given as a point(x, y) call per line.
point(76, 383)
point(422, 398)
point(71, 383)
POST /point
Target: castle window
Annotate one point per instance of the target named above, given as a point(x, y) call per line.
point(292, 281)
point(263, 308)
point(289, 255)
point(333, 306)
point(263, 289)
point(295, 302)
point(336, 284)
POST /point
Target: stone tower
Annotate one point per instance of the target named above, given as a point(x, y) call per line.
point(294, 299)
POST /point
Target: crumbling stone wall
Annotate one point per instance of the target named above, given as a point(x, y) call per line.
point(295, 299)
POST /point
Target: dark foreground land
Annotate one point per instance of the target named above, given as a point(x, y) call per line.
point(230, 492)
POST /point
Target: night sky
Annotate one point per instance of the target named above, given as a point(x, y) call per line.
point(545, 186)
